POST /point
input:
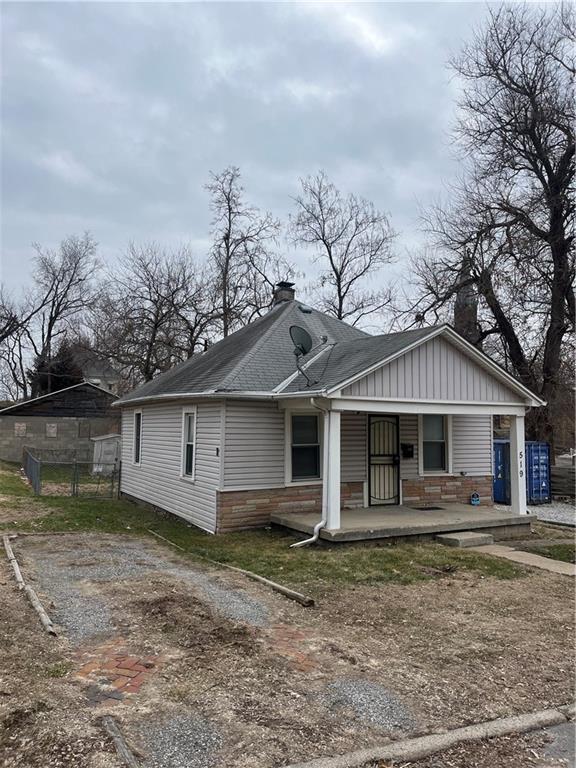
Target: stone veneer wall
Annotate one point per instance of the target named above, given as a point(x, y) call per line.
point(423, 490)
point(239, 510)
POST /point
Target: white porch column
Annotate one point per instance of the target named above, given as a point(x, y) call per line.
point(333, 440)
point(517, 466)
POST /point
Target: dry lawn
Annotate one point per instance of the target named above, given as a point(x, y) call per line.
point(453, 650)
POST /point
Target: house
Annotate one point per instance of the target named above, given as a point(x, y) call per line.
point(62, 422)
point(97, 371)
point(368, 430)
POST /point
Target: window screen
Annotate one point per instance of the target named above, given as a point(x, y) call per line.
point(137, 437)
point(433, 443)
point(189, 439)
point(305, 447)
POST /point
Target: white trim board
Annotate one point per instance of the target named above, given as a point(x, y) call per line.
point(419, 406)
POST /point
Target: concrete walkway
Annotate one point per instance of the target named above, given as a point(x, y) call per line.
point(527, 558)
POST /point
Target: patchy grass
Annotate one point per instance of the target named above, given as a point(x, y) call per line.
point(264, 551)
point(564, 552)
point(58, 669)
point(11, 484)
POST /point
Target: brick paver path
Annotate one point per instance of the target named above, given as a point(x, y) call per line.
point(113, 672)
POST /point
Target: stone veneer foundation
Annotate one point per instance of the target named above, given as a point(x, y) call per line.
point(437, 488)
point(240, 510)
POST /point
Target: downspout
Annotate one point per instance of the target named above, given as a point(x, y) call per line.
point(325, 442)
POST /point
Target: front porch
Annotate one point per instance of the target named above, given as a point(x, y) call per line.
point(395, 522)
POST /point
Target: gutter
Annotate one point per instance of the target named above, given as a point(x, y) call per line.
point(219, 395)
point(325, 443)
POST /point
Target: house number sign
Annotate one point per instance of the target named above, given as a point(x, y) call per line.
point(521, 463)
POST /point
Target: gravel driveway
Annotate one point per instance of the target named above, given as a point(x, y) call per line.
point(557, 512)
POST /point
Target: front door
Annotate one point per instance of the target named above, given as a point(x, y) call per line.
point(383, 460)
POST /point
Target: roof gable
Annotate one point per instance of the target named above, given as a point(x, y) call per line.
point(440, 366)
point(82, 400)
point(434, 370)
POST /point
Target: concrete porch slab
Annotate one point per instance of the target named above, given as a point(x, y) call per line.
point(395, 522)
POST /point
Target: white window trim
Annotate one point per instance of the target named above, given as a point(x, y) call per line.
point(134, 414)
point(288, 445)
point(190, 409)
point(448, 440)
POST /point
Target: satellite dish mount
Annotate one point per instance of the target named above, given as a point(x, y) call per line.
point(302, 345)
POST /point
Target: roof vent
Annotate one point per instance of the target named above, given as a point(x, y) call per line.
point(284, 292)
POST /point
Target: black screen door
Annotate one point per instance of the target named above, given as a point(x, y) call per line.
point(384, 460)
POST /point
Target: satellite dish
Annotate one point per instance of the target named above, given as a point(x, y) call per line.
point(302, 340)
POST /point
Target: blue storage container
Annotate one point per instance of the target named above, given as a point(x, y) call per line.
point(537, 472)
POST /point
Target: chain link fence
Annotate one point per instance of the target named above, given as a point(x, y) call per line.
point(50, 475)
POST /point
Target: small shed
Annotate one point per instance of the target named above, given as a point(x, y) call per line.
point(106, 456)
point(64, 420)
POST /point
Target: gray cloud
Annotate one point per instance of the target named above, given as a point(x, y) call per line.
point(114, 114)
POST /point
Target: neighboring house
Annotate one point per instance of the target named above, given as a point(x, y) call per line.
point(98, 371)
point(65, 420)
point(236, 435)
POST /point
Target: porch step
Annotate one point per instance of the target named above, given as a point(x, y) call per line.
point(465, 539)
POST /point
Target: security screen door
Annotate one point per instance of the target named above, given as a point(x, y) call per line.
point(384, 460)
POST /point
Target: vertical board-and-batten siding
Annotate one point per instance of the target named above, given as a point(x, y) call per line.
point(255, 445)
point(157, 479)
point(435, 370)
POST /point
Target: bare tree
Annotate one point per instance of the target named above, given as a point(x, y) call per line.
point(63, 286)
point(243, 263)
point(13, 378)
point(155, 312)
point(65, 281)
point(512, 217)
point(351, 240)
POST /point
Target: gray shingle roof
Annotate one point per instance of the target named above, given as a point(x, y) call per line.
point(350, 357)
point(257, 358)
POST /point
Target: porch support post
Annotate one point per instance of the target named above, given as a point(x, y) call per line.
point(333, 508)
point(517, 466)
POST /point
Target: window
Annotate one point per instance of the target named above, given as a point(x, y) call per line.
point(188, 441)
point(137, 437)
point(305, 447)
point(19, 429)
point(434, 444)
point(51, 430)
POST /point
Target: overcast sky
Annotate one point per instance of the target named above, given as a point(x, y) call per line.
point(114, 113)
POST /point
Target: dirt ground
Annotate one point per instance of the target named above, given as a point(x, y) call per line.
point(205, 669)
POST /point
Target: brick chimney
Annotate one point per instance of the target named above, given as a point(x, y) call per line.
point(284, 292)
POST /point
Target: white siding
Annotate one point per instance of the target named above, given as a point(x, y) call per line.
point(434, 371)
point(254, 450)
point(409, 434)
point(472, 445)
point(254, 445)
point(353, 435)
point(157, 479)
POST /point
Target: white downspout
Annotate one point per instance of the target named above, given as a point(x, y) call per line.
point(325, 445)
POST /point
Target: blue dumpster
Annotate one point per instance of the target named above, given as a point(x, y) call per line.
point(537, 472)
